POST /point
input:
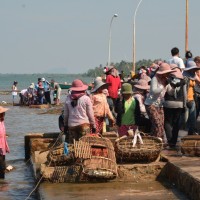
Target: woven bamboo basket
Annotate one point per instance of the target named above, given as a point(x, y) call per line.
point(141, 153)
point(56, 157)
point(98, 155)
point(190, 145)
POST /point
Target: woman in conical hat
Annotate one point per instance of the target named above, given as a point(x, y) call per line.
point(100, 105)
point(4, 148)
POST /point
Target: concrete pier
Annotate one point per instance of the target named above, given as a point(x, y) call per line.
point(183, 172)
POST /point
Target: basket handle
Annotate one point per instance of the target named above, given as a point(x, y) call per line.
point(95, 135)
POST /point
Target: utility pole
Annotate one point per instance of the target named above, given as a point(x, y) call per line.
point(186, 27)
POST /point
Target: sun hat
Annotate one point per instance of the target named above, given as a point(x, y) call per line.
point(164, 69)
point(31, 85)
point(173, 66)
point(98, 84)
point(42, 79)
point(109, 69)
point(177, 73)
point(77, 85)
point(142, 84)
point(191, 65)
point(126, 88)
point(2, 109)
point(159, 62)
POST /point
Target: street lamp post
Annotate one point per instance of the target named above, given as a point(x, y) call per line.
point(186, 27)
point(109, 43)
point(134, 35)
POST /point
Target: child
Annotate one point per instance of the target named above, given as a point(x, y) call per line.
point(14, 91)
point(4, 148)
point(128, 110)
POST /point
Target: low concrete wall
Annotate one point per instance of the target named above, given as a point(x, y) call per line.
point(42, 136)
point(185, 175)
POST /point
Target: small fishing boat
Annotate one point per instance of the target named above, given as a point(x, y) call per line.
point(67, 86)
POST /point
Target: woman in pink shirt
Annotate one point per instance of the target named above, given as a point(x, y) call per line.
point(4, 148)
point(78, 112)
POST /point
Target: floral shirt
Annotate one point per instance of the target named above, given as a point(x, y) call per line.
point(100, 106)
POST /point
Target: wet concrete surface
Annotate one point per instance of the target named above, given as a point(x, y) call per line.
point(111, 191)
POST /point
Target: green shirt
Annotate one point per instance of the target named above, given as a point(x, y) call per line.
point(128, 118)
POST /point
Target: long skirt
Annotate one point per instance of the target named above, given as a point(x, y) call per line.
point(156, 115)
point(99, 124)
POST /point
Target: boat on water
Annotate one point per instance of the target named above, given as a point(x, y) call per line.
point(67, 86)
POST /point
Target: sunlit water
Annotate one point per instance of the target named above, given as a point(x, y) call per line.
point(20, 121)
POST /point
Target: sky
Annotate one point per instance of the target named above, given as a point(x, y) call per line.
point(72, 36)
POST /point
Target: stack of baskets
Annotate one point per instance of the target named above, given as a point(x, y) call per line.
point(99, 159)
point(140, 153)
point(56, 157)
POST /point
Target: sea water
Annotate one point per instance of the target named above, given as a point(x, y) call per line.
point(24, 80)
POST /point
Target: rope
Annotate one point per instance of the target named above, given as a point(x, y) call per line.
point(59, 136)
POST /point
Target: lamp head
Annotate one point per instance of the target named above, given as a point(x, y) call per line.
point(115, 15)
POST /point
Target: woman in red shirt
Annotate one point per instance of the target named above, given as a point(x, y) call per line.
point(114, 83)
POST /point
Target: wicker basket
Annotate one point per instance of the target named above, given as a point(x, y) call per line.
point(99, 159)
point(56, 157)
point(101, 168)
point(141, 153)
point(190, 145)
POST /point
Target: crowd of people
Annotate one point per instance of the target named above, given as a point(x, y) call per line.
point(159, 100)
point(39, 93)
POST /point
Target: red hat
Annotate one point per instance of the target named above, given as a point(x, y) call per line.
point(77, 85)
